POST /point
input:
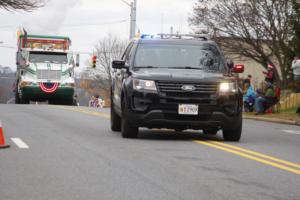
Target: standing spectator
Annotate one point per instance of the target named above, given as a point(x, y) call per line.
point(296, 72)
point(75, 100)
point(97, 101)
point(296, 68)
point(249, 77)
point(249, 97)
point(270, 76)
point(92, 102)
point(101, 102)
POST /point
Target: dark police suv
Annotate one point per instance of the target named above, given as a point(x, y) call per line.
point(177, 82)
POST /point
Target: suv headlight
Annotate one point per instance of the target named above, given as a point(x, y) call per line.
point(144, 85)
point(227, 87)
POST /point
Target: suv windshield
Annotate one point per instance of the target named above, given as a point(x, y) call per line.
point(42, 57)
point(206, 57)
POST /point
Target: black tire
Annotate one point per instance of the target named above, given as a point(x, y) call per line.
point(51, 102)
point(210, 131)
point(68, 102)
point(115, 120)
point(235, 133)
point(24, 100)
point(128, 130)
point(17, 98)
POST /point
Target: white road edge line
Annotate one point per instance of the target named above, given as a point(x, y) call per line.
point(292, 132)
point(20, 143)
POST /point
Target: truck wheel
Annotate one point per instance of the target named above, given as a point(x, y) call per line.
point(24, 100)
point(115, 120)
point(17, 98)
point(68, 102)
point(235, 133)
point(210, 131)
point(52, 102)
point(128, 131)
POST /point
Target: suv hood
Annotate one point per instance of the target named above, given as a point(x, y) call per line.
point(161, 74)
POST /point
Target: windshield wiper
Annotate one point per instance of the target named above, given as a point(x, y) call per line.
point(146, 67)
point(188, 67)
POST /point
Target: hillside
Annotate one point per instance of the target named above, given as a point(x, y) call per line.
point(7, 81)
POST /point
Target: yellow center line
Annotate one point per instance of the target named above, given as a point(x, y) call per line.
point(251, 157)
point(81, 110)
point(291, 164)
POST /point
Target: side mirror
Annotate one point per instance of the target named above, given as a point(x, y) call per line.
point(239, 68)
point(77, 60)
point(118, 64)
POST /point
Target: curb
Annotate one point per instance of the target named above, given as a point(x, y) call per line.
point(279, 121)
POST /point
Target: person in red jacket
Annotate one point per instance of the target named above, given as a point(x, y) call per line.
point(270, 76)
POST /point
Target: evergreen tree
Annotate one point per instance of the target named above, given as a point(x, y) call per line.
point(295, 27)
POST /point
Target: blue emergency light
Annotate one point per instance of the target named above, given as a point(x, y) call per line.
point(149, 36)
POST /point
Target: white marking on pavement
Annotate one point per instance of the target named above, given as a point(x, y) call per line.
point(20, 143)
point(292, 132)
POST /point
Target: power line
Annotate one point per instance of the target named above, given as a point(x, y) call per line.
point(7, 26)
point(10, 78)
point(96, 24)
point(8, 47)
point(83, 24)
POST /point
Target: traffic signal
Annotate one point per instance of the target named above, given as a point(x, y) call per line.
point(94, 61)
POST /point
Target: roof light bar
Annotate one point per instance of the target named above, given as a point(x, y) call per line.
point(180, 36)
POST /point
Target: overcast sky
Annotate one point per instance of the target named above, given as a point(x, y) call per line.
point(77, 19)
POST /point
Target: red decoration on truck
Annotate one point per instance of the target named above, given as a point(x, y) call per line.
point(49, 87)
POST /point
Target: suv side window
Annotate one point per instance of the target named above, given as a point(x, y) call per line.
point(127, 51)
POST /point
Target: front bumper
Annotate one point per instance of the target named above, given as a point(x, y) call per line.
point(156, 111)
point(34, 93)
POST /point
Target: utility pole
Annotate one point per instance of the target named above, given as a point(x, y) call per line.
point(132, 6)
point(132, 19)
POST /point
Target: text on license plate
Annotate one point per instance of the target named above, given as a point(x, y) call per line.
point(187, 109)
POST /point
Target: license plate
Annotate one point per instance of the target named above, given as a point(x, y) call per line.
point(187, 109)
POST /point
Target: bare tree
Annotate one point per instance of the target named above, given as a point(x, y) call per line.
point(26, 5)
point(108, 49)
point(256, 29)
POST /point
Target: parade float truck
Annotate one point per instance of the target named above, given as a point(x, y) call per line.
point(45, 70)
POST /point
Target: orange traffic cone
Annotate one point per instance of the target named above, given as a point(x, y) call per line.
point(2, 139)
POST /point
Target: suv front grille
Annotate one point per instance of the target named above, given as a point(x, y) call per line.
point(202, 90)
point(49, 74)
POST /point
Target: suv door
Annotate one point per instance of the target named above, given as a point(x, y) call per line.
point(119, 76)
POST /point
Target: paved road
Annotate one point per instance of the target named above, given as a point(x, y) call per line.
point(72, 154)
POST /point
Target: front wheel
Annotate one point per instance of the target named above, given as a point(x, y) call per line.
point(233, 134)
point(127, 129)
point(115, 120)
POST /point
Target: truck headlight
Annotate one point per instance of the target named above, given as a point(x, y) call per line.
point(228, 87)
point(25, 83)
point(144, 85)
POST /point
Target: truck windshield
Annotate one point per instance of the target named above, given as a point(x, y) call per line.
point(202, 57)
point(43, 57)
